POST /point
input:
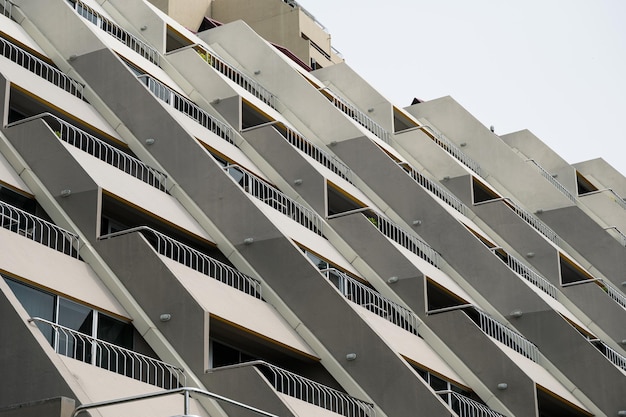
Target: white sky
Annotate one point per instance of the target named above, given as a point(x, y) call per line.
point(554, 67)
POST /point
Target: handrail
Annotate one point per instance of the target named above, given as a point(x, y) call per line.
point(275, 198)
point(329, 161)
point(403, 238)
point(553, 181)
point(614, 356)
point(103, 151)
point(113, 29)
point(616, 197)
point(467, 407)
point(357, 115)
point(622, 236)
point(447, 145)
point(187, 107)
point(373, 301)
point(532, 221)
point(186, 391)
point(7, 8)
point(434, 188)
point(41, 68)
point(506, 336)
point(304, 389)
point(88, 349)
point(613, 292)
point(528, 274)
point(39, 230)
point(195, 259)
point(249, 84)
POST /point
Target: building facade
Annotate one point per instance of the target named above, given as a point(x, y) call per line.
point(195, 223)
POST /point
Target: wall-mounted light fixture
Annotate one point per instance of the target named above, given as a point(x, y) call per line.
point(150, 141)
point(248, 241)
point(417, 222)
point(257, 72)
point(297, 181)
point(66, 192)
point(72, 58)
point(144, 27)
point(502, 386)
point(351, 356)
point(517, 314)
point(393, 280)
point(530, 254)
point(165, 317)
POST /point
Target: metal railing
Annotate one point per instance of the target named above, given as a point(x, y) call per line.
point(506, 336)
point(7, 8)
point(404, 239)
point(553, 180)
point(357, 115)
point(466, 407)
point(533, 221)
point(447, 145)
point(434, 188)
point(186, 391)
point(528, 274)
point(614, 356)
point(102, 150)
point(39, 230)
point(614, 293)
point(196, 260)
point(371, 300)
point(85, 348)
point(621, 236)
point(41, 68)
point(105, 24)
point(329, 161)
point(249, 84)
point(308, 390)
point(187, 107)
point(615, 197)
point(276, 199)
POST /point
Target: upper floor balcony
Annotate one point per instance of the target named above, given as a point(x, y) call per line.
point(7, 8)
point(102, 150)
point(194, 259)
point(88, 349)
point(39, 230)
point(448, 146)
point(113, 29)
point(187, 107)
point(466, 407)
point(551, 178)
point(39, 67)
point(276, 199)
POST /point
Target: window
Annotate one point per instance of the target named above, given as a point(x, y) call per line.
point(439, 297)
point(339, 201)
point(401, 121)
point(583, 185)
point(570, 272)
point(252, 116)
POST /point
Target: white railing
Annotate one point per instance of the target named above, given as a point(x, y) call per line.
point(621, 236)
point(614, 196)
point(187, 107)
point(357, 115)
point(308, 390)
point(614, 356)
point(553, 180)
point(466, 407)
point(329, 161)
point(447, 145)
point(403, 238)
point(102, 150)
point(614, 293)
point(371, 300)
point(131, 41)
point(276, 199)
point(506, 336)
point(41, 68)
point(195, 260)
point(533, 221)
point(85, 348)
point(250, 85)
point(39, 230)
point(436, 189)
point(7, 8)
point(528, 274)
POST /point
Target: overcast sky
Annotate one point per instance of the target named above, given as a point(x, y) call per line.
point(554, 67)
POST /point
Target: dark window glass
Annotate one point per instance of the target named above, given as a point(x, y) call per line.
point(76, 317)
point(115, 331)
point(37, 303)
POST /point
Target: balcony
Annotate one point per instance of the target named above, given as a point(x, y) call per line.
point(355, 114)
point(553, 180)
point(85, 348)
point(329, 161)
point(308, 390)
point(7, 8)
point(452, 149)
point(503, 334)
point(39, 230)
point(275, 198)
point(371, 300)
point(525, 272)
point(37, 66)
point(403, 238)
point(238, 77)
point(533, 221)
point(187, 107)
point(612, 355)
point(196, 260)
point(108, 26)
point(102, 150)
point(466, 407)
point(435, 189)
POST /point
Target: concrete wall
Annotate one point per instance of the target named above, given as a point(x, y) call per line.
point(52, 407)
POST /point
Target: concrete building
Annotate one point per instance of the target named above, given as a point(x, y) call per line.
point(194, 223)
